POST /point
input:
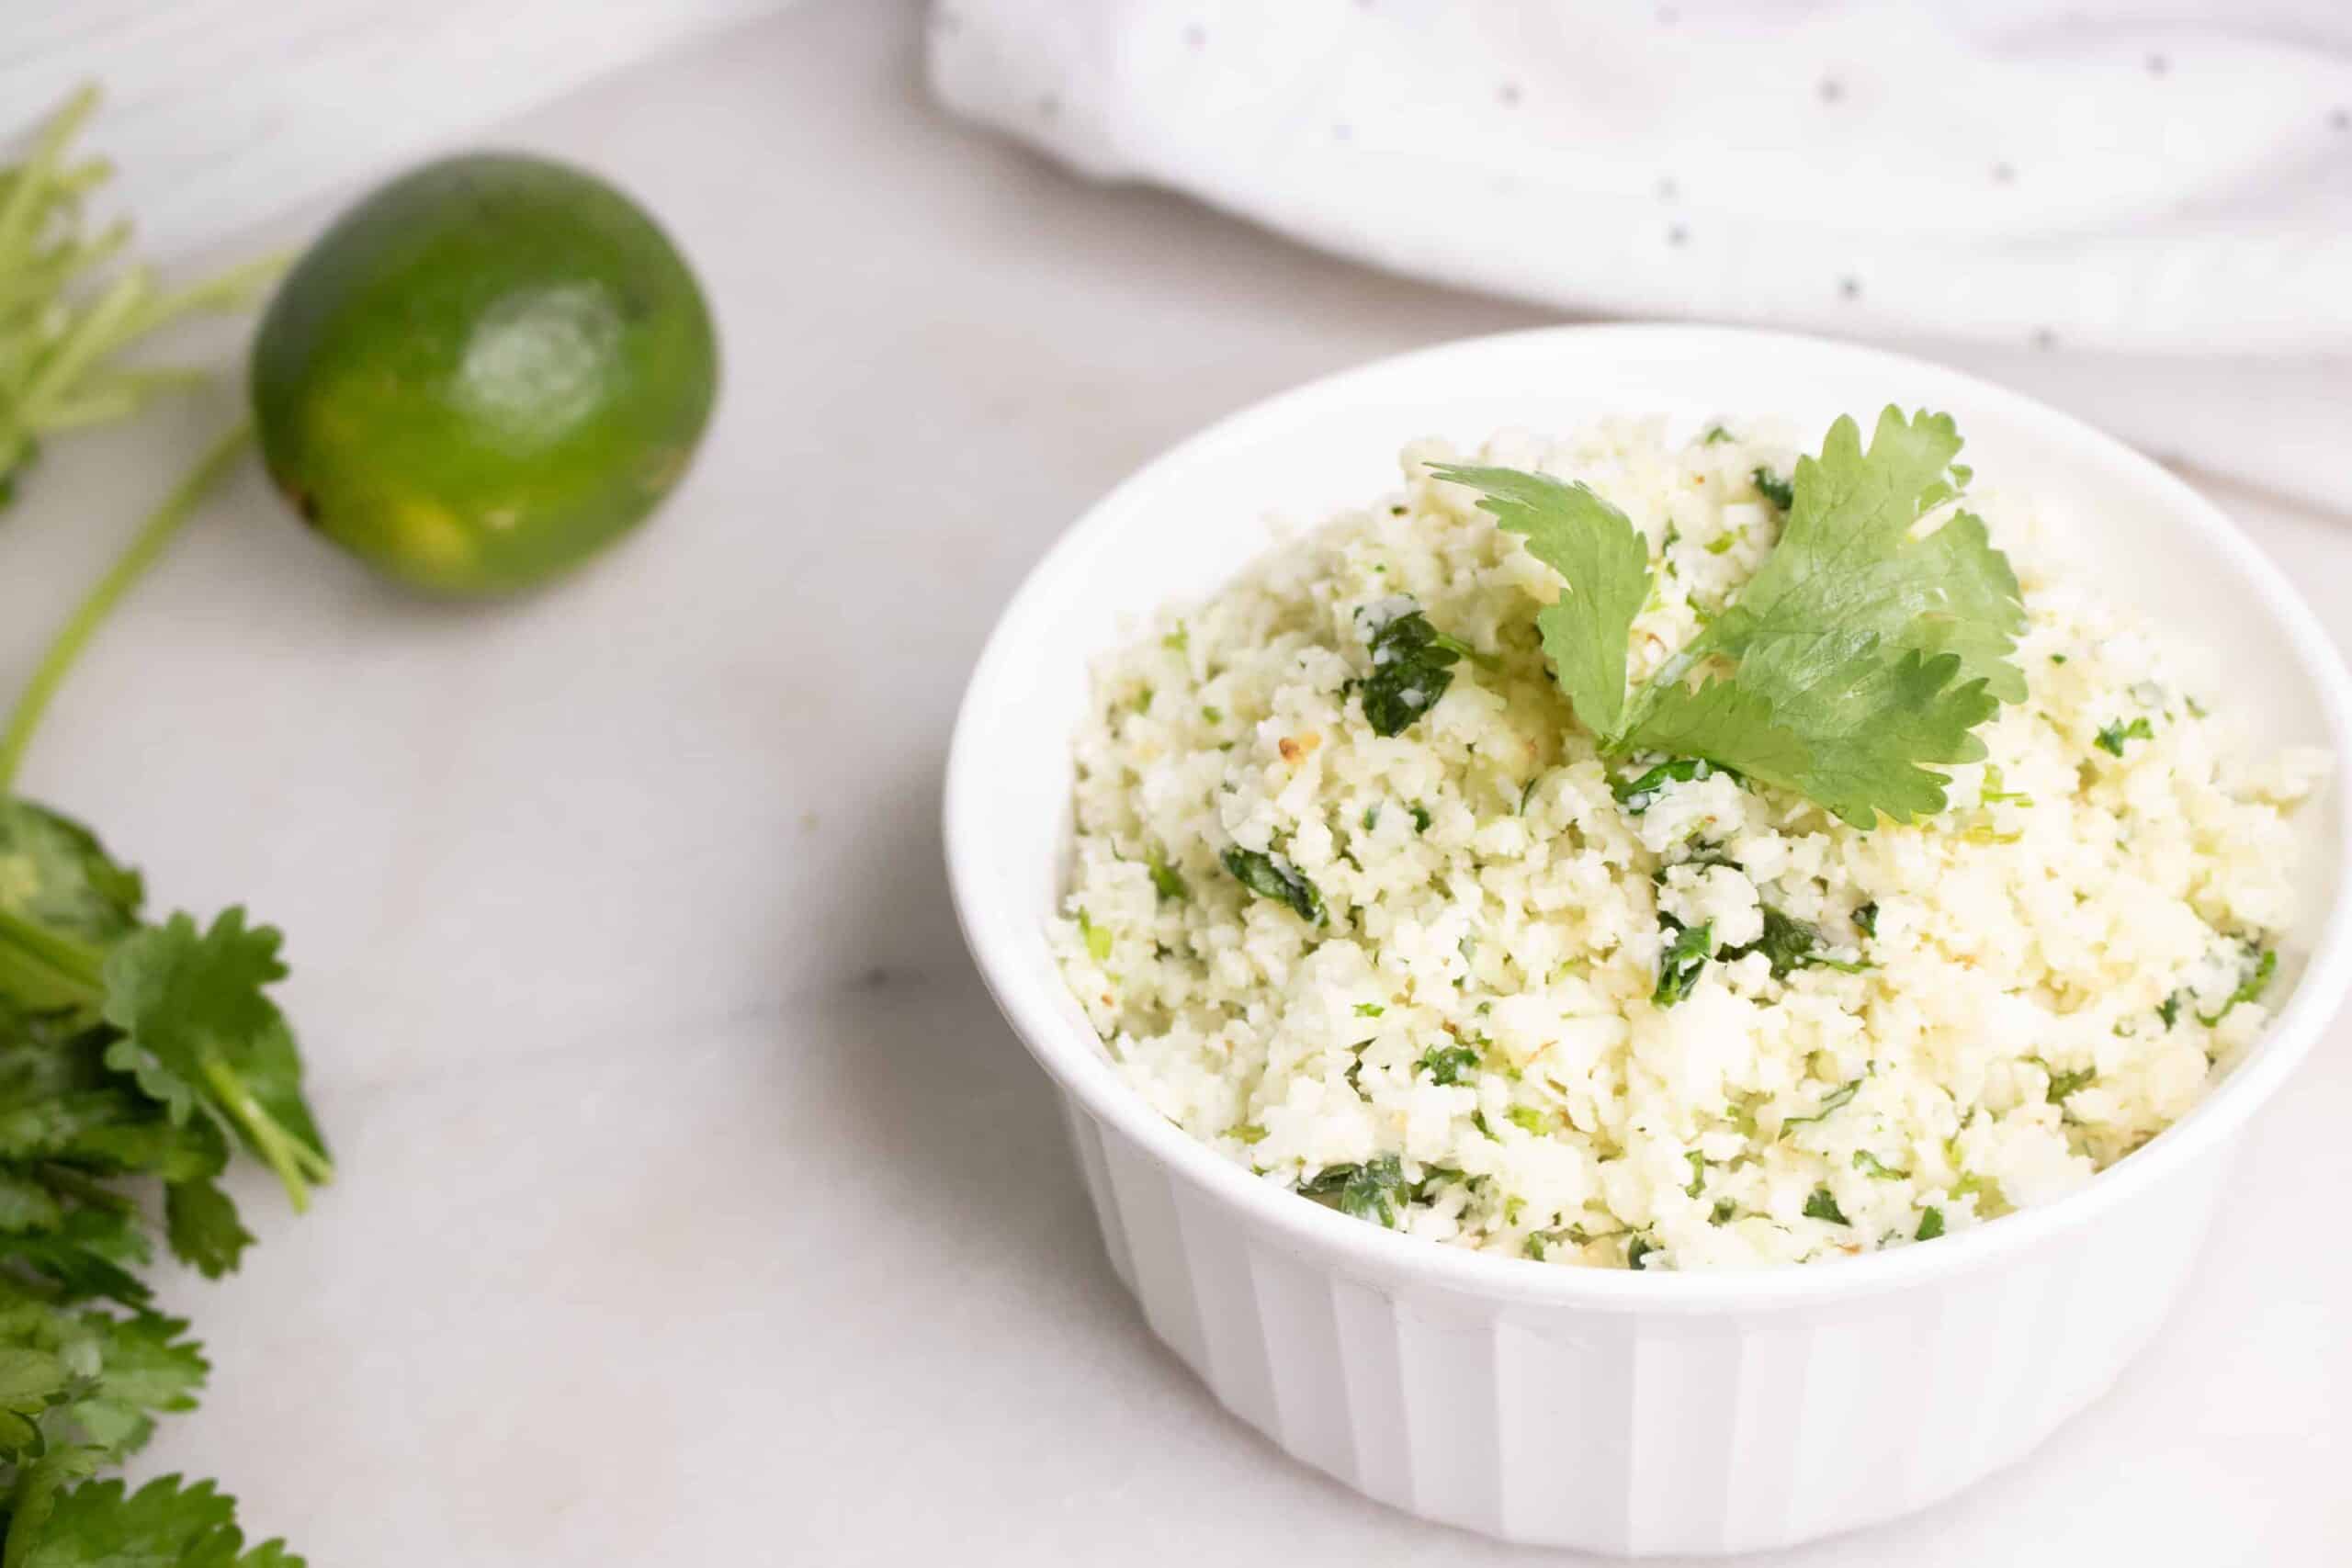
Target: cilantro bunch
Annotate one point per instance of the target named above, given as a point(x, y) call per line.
point(137, 1057)
point(1857, 660)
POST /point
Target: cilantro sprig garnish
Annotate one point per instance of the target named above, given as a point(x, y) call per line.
point(1860, 658)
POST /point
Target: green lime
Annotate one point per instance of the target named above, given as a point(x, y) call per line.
point(484, 373)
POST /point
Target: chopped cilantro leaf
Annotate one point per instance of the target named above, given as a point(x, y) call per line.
point(1725, 1211)
point(1175, 641)
point(1788, 945)
point(1097, 939)
point(1681, 959)
point(1374, 1191)
point(1698, 1173)
point(2111, 738)
point(2168, 1011)
point(1836, 1099)
point(2063, 1084)
point(1271, 878)
point(1932, 1225)
point(2257, 981)
point(1870, 1165)
point(1369, 1009)
point(1716, 434)
point(1993, 792)
point(1639, 1248)
point(1866, 918)
point(1639, 794)
point(1447, 1063)
point(1248, 1132)
point(1774, 489)
point(1529, 1118)
point(1166, 880)
point(1434, 1179)
point(1821, 1205)
point(1412, 665)
point(1422, 818)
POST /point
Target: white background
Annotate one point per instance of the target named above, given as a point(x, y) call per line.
point(695, 1207)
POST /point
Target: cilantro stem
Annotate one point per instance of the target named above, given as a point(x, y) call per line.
point(300, 1168)
point(145, 548)
point(47, 968)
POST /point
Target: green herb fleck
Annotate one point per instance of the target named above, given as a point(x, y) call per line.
point(2111, 738)
point(1994, 793)
point(2257, 981)
point(1166, 880)
point(1176, 640)
point(2168, 1011)
point(1870, 1165)
point(1641, 1246)
point(1433, 1180)
point(1836, 1100)
point(1716, 434)
point(1823, 1206)
point(1248, 1132)
point(1374, 1191)
point(1681, 959)
point(1529, 1118)
point(2063, 1084)
point(1788, 945)
point(1638, 795)
point(1774, 489)
point(1724, 541)
point(1097, 939)
point(1271, 878)
point(1369, 1009)
point(1412, 665)
point(1422, 818)
point(1932, 1225)
point(1698, 1173)
point(1446, 1064)
point(1866, 918)
point(1725, 1211)
point(1212, 716)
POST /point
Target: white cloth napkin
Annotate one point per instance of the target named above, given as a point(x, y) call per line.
point(2142, 210)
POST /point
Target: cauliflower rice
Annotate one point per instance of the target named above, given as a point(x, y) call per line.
point(2015, 993)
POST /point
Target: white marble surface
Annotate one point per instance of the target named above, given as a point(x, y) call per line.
point(695, 1207)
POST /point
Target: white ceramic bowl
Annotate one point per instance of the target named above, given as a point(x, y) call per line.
point(1615, 1411)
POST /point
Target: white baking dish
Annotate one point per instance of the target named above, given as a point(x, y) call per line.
point(1613, 1411)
